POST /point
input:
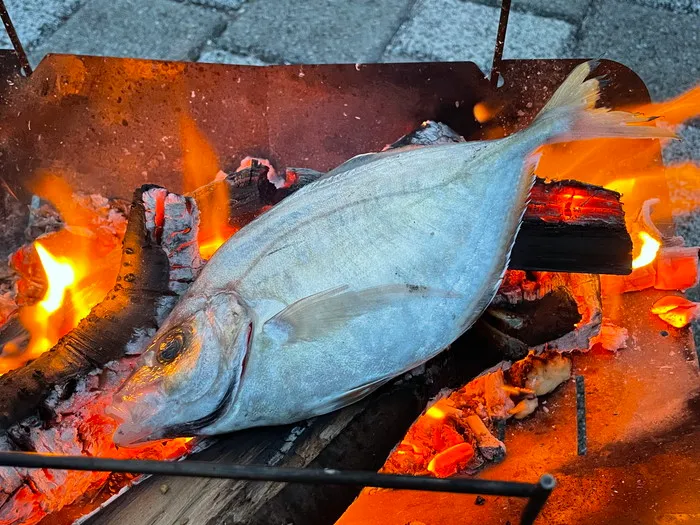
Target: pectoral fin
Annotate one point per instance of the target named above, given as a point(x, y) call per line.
point(315, 316)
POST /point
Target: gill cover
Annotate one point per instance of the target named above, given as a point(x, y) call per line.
point(189, 373)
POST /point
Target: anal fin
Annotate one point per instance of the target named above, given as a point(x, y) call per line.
point(352, 396)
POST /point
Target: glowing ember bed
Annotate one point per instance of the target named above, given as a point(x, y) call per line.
point(106, 126)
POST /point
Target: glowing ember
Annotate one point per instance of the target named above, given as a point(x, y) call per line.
point(483, 113)
point(650, 247)
point(676, 311)
point(435, 413)
point(449, 461)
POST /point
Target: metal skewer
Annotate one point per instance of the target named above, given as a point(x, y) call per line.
point(536, 492)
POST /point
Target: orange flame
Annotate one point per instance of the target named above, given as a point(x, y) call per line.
point(57, 312)
point(648, 251)
point(78, 266)
point(200, 166)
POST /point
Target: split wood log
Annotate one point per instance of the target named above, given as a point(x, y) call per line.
point(105, 333)
point(571, 226)
point(538, 311)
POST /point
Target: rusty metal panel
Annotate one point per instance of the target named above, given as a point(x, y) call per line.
point(109, 124)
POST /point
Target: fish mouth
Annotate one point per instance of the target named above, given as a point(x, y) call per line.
point(129, 433)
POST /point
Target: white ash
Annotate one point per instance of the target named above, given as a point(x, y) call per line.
point(165, 305)
point(152, 200)
point(611, 337)
point(139, 339)
point(272, 176)
point(43, 218)
point(10, 478)
point(492, 448)
point(288, 444)
point(179, 241)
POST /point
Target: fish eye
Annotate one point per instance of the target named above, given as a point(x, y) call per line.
point(170, 347)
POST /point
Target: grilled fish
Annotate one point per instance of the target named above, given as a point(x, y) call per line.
point(353, 280)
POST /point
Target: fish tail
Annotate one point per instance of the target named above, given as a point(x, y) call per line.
point(571, 113)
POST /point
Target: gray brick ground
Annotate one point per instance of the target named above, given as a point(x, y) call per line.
point(453, 30)
point(688, 148)
point(156, 29)
point(219, 56)
point(660, 46)
point(679, 6)
point(315, 31)
point(34, 19)
point(570, 10)
point(221, 4)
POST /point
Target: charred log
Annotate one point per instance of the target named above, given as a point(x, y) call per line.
point(105, 333)
point(250, 192)
point(570, 226)
point(540, 310)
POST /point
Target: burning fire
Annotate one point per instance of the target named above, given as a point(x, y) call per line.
point(44, 320)
point(649, 249)
point(676, 311)
point(64, 273)
point(200, 167)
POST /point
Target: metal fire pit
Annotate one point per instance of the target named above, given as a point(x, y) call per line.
point(108, 125)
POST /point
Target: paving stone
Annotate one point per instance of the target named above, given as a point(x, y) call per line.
point(221, 4)
point(688, 148)
point(219, 56)
point(156, 29)
point(34, 19)
point(570, 10)
point(452, 30)
point(660, 46)
point(315, 31)
point(679, 6)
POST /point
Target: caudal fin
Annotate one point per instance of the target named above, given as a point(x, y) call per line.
point(571, 113)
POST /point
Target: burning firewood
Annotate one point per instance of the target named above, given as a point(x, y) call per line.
point(676, 311)
point(455, 435)
point(104, 334)
point(541, 310)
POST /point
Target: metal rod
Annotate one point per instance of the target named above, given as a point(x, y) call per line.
point(538, 499)
point(265, 473)
point(500, 43)
point(19, 50)
point(582, 439)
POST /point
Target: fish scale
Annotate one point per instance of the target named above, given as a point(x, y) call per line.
point(349, 282)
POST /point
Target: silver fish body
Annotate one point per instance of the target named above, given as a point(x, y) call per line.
point(351, 281)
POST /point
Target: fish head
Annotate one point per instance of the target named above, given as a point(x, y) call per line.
point(189, 373)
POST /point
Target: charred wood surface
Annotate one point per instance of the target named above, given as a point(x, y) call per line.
point(573, 227)
point(540, 310)
point(103, 335)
